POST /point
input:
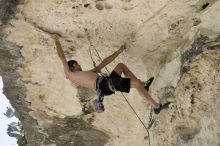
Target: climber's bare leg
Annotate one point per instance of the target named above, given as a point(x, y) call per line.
point(135, 82)
point(122, 68)
point(142, 91)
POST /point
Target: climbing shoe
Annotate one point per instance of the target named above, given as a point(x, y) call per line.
point(148, 83)
point(161, 107)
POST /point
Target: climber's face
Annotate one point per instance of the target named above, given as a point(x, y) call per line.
point(76, 67)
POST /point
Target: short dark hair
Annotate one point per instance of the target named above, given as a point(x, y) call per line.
point(71, 62)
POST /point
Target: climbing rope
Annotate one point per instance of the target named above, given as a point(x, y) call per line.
point(151, 121)
point(90, 52)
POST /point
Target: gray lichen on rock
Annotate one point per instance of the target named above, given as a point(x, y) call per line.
point(77, 132)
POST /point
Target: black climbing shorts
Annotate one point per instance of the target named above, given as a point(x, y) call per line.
point(119, 83)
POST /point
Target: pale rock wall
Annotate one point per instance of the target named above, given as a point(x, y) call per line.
point(192, 120)
point(174, 41)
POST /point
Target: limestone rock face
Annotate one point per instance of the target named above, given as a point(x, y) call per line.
point(177, 42)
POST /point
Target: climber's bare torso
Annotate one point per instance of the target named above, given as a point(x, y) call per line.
point(83, 78)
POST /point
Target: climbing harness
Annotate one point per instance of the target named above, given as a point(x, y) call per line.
point(98, 102)
point(111, 85)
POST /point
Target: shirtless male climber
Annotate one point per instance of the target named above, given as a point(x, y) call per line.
point(106, 85)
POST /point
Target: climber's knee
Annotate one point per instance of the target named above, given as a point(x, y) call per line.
point(119, 68)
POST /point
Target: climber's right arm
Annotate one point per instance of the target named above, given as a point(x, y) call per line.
point(109, 59)
point(61, 55)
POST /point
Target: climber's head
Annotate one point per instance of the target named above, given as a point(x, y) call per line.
point(74, 66)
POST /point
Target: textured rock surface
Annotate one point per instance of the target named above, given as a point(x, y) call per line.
point(177, 42)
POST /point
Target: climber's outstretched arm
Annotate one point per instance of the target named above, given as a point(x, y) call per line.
point(109, 59)
point(61, 54)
